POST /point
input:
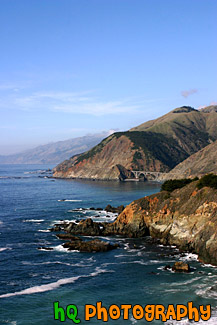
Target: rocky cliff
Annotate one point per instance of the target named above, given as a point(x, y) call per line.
point(187, 217)
point(117, 155)
point(157, 145)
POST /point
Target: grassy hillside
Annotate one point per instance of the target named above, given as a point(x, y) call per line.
point(156, 145)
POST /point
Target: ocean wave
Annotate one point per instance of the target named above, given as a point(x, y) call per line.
point(69, 200)
point(80, 264)
point(53, 285)
point(133, 320)
point(209, 265)
point(2, 249)
point(61, 221)
point(44, 230)
point(60, 248)
point(34, 220)
point(189, 257)
point(211, 321)
point(207, 292)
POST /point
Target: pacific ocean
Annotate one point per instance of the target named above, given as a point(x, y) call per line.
point(31, 202)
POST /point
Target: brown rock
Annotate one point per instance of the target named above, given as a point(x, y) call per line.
point(181, 267)
point(67, 237)
point(95, 245)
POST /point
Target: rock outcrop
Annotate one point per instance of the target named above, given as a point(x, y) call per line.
point(181, 267)
point(186, 217)
point(95, 245)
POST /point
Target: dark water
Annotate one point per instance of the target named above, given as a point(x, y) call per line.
point(32, 279)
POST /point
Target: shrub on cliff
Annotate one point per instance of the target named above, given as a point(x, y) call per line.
point(173, 184)
point(209, 180)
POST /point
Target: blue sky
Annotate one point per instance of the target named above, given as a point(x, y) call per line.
point(72, 67)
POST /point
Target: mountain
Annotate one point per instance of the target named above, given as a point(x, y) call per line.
point(157, 145)
point(54, 153)
point(202, 162)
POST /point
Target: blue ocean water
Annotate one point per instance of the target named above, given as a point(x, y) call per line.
point(31, 279)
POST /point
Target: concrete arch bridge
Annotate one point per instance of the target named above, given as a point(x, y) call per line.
point(148, 174)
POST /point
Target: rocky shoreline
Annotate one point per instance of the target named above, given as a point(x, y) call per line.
point(187, 218)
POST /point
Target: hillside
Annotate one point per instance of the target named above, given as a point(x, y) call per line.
point(157, 145)
point(54, 153)
point(201, 163)
point(190, 127)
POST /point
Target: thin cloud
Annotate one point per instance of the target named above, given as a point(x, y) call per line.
point(186, 93)
point(69, 102)
point(210, 104)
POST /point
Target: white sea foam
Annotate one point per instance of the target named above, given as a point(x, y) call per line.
point(69, 200)
point(2, 249)
point(61, 221)
point(133, 320)
point(44, 230)
point(209, 265)
point(60, 248)
point(53, 285)
point(211, 321)
point(34, 220)
point(189, 257)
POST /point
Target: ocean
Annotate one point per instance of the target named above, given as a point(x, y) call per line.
point(31, 202)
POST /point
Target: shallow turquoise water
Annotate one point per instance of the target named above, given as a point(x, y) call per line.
point(32, 279)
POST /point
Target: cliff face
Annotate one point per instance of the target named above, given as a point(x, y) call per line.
point(186, 217)
point(201, 163)
point(117, 155)
point(157, 145)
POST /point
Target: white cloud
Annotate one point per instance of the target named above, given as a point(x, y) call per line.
point(210, 104)
point(186, 93)
point(69, 102)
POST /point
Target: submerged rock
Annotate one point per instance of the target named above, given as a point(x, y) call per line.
point(67, 237)
point(181, 267)
point(112, 209)
point(95, 245)
point(55, 228)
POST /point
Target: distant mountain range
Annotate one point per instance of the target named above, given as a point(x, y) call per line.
point(54, 153)
point(157, 145)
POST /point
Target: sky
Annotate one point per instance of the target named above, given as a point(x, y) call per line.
point(73, 67)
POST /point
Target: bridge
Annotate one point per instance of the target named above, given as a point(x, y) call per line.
point(138, 173)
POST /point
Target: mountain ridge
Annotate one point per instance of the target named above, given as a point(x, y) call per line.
point(157, 145)
point(54, 153)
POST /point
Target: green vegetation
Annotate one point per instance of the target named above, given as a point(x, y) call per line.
point(209, 180)
point(173, 184)
point(137, 155)
point(157, 146)
point(94, 150)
